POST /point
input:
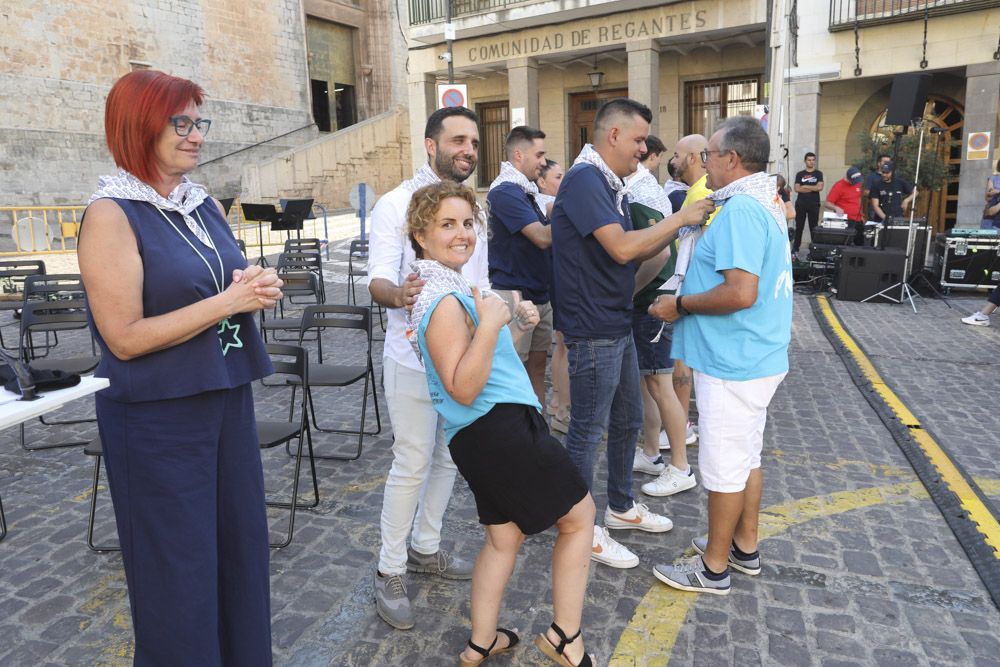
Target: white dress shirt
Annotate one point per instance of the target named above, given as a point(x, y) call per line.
point(389, 256)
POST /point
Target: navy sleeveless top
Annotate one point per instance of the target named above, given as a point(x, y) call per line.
point(174, 277)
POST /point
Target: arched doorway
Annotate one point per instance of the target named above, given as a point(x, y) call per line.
point(941, 207)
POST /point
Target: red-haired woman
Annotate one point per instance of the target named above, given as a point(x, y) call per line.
point(171, 300)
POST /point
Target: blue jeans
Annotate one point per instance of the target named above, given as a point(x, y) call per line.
point(604, 384)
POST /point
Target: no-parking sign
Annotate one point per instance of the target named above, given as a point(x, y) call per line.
point(452, 95)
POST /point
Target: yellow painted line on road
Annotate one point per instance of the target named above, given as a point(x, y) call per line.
point(986, 523)
point(651, 633)
point(867, 367)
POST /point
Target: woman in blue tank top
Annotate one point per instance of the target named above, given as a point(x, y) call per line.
point(172, 301)
point(521, 477)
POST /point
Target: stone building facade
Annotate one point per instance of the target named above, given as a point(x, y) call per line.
point(834, 66)
point(60, 58)
point(696, 62)
point(692, 63)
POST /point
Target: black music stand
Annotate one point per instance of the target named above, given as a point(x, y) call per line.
point(261, 213)
point(294, 213)
point(227, 204)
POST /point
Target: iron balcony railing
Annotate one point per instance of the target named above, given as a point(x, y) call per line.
point(429, 11)
point(845, 13)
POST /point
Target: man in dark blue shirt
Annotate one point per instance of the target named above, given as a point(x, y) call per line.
point(519, 245)
point(595, 252)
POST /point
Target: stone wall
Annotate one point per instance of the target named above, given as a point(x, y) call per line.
point(60, 58)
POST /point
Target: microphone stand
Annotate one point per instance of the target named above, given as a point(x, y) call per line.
point(906, 291)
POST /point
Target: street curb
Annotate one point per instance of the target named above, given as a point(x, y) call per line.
point(966, 509)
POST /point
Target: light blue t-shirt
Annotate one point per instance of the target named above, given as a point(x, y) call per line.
point(508, 381)
point(753, 342)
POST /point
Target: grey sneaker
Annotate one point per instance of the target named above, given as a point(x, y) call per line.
point(689, 574)
point(441, 563)
point(749, 566)
point(391, 601)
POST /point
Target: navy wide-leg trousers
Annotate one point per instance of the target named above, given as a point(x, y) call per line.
point(188, 492)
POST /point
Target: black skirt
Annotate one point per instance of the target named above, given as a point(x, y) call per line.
point(517, 471)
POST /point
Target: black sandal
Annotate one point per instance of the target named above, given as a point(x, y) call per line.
point(557, 653)
point(512, 640)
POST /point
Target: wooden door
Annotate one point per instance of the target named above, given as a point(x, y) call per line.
point(583, 109)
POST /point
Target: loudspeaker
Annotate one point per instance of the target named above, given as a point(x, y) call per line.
point(896, 235)
point(867, 271)
point(907, 99)
point(832, 236)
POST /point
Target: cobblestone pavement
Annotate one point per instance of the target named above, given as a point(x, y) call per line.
point(859, 566)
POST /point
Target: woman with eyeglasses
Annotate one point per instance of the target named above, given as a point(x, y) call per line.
point(172, 302)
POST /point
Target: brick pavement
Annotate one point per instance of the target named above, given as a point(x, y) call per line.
point(859, 566)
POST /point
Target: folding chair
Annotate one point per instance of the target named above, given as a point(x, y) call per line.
point(357, 318)
point(357, 267)
point(53, 287)
point(242, 245)
point(12, 276)
point(303, 261)
point(50, 316)
point(273, 433)
point(298, 284)
point(303, 245)
point(95, 448)
point(3, 522)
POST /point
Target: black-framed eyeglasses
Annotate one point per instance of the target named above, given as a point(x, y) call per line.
point(184, 124)
point(705, 153)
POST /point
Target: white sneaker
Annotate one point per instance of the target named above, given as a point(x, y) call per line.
point(642, 464)
point(606, 550)
point(639, 518)
point(692, 434)
point(664, 441)
point(977, 319)
point(671, 481)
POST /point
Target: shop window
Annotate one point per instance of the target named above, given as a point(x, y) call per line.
point(494, 124)
point(710, 102)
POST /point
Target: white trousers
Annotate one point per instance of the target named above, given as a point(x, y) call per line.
point(420, 480)
point(731, 418)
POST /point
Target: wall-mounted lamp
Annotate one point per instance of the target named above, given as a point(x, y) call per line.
point(596, 76)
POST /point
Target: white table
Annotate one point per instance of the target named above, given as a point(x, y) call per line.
point(14, 411)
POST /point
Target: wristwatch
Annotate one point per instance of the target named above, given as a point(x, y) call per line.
point(680, 307)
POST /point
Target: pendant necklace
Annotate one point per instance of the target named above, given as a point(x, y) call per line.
point(229, 333)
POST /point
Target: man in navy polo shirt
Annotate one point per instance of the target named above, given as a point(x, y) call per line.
point(595, 252)
point(520, 238)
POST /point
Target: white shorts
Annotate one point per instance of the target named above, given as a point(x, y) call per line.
point(731, 417)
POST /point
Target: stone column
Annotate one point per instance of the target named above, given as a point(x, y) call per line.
point(982, 94)
point(803, 125)
point(423, 102)
point(522, 89)
point(644, 77)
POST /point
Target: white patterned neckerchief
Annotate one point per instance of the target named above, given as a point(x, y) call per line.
point(589, 155)
point(184, 199)
point(543, 201)
point(510, 174)
point(645, 189)
point(759, 186)
point(421, 178)
point(671, 185)
point(441, 281)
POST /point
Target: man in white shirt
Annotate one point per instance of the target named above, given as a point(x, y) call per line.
point(419, 484)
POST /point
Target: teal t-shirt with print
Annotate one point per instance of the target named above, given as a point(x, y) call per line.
point(753, 342)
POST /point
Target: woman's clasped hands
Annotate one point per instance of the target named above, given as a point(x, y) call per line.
point(254, 288)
